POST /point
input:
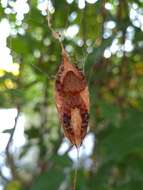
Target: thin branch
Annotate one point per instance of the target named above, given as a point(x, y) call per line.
point(56, 35)
point(103, 14)
point(12, 133)
point(10, 159)
point(38, 69)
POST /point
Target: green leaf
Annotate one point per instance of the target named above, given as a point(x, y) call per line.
point(125, 139)
point(14, 185)
point(32, 132)
point(8, 130)
point(62, 161)
point(49, 180)
point(20, 45)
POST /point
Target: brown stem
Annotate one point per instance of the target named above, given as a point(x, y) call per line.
point(12, 133)
point(56, 35)
point(103, 14)
point(84, 28)
point(9, 156)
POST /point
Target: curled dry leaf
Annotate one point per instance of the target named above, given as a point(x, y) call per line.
point(72, 100)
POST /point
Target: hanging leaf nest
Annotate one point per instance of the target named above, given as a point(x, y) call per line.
point(72, 100)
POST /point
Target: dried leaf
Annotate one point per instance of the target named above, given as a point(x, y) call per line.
point(72, 100)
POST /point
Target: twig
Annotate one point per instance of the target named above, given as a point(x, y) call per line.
point(55, 34)
point(76, 170)
point(10, 159)
point(103, 14)
point(12, 133)
point(38, 69)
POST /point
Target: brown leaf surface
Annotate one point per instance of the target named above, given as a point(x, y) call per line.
point(72, 100)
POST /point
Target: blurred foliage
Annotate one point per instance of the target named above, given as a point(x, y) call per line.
point(109, 44)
